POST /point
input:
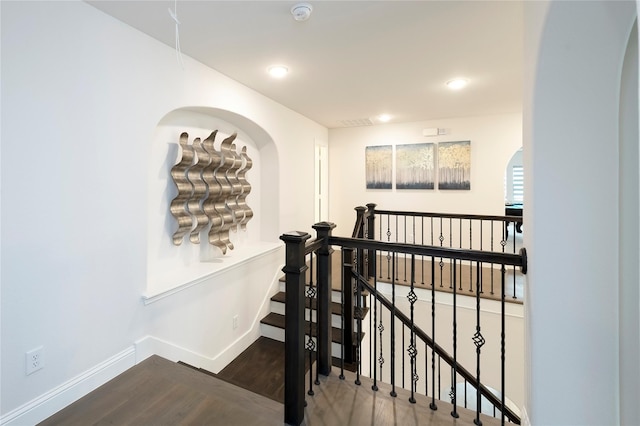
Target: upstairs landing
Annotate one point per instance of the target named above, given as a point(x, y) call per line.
point(161, 392)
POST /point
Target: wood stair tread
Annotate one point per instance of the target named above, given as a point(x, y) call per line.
point(278, 321)
point(335, 306)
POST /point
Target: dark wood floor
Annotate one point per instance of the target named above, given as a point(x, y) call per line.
point(159, 392)
point(260, 369)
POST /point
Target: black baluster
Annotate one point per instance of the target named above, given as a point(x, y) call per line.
point(451, 268)
point(481, 247)
point(375, 335)
point(478, 340)
point(388, 240)
point(441, 239)
point(380, 271)
point(346, 310)
point(454, 413)
point(515, 231)
point(405, 256)
point(403, 346)
point(413, 348)
point(314, 295)
point(422, 242)
point(460, 222)
point(502, 347)
point(393, 339)
point(431, 227)
point(470, 263)
point(372, 302)
point(342, 311)
point(503, 243)
point(359, 314)
point(465, 393)
point(371, 225)
point(380, 358)
point(493, 264)
point(310, 345)
point(426, 370)
point(439, 379)
point(433, 405)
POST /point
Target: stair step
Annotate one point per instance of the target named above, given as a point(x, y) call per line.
point(280, 297)
point(278, 321)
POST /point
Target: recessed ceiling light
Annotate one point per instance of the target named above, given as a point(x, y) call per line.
point(278, 71)
point(457, 83)
point(384, 117)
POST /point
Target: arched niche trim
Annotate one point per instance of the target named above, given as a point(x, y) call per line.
point(171, 267)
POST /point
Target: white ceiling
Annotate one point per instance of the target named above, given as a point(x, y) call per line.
point(353, 60)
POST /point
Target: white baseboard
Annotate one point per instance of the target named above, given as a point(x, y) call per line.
point(58, 398)
point(150, 345)
point(47, 404)
point(55, 400)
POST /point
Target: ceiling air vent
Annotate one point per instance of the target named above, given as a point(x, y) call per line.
point(356, 123)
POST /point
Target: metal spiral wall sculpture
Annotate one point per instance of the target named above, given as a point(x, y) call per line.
point(178, 207)
point(247, 213)
point(212, 190)
point(199, 194)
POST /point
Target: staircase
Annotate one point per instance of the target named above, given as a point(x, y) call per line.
point(272, 326)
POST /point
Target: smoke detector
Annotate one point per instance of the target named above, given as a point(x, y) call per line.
point(301, 11)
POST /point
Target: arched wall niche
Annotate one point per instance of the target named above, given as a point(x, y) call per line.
point(170, 266)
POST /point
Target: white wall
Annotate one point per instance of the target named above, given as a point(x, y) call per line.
point(494, 139)
point(574, 54)
point(629, 231)
point(82, 95)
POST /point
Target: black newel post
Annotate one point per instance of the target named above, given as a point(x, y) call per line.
point(371, 235)
point(294, 269)
point(323, 313)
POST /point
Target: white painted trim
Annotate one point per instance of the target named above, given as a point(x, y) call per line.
point(524, 419)
point(151, 296)
point(56, 399)
point(150, 345)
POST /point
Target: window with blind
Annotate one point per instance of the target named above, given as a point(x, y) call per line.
point(517, 175)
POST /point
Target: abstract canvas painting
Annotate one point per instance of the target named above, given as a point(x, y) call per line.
point(415, 166)
point(454, 165)
point(379, 166)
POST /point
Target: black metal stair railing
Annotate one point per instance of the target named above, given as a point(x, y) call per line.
point(354, 280)
point(462, 231)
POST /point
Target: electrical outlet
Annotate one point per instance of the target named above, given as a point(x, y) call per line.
point(235, 322)
point(35, 361)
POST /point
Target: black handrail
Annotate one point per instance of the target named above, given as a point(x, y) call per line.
point(299, 245)
point(448, 215)
point(433, 251)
